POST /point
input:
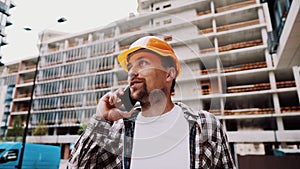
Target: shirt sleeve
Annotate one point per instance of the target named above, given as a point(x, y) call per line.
point(226, 157)
point(214, 146)
point(99, 146)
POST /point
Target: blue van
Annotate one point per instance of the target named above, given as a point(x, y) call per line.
point(37, 156)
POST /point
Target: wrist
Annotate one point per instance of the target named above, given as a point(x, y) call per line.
point(100, 117)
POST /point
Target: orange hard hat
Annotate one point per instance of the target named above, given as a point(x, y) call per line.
point(152, 43)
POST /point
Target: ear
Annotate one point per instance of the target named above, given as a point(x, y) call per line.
point(171, 74)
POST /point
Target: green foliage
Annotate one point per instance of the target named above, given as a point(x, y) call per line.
point(81, 128)
point(41, 129)
point(17, 129)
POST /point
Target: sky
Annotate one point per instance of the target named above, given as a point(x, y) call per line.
point(41, 15)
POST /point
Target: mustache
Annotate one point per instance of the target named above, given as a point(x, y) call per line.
point(136, 80)
point(132, 76)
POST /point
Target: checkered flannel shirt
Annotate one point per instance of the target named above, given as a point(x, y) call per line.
point(103, 145)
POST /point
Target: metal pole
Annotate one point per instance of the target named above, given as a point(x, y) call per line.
point(236, 159)
point(60, 20)
point(30, 103)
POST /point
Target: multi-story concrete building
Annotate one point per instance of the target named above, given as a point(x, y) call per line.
point(229, 69)
point(9, 84)
point(5, 6)
point(5, 98)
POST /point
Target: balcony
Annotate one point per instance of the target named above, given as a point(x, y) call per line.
point(23, 95)
point(20, 109)
point(250, 111)
point(28, 67)
point(240, 45)
point(201, 13)
point(235, 6)
point(242, 67)
point(28, 80)
point(73, 58)
point(259, 86)
point(237, 25)
point(290, 109)
point(13, 70)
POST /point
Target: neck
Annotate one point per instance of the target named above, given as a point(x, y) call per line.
point(160, 107)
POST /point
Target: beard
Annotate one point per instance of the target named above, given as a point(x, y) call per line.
point(146, 97)
point(140, 94)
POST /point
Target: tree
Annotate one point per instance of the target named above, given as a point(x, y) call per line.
point(17, 130)
point(81, 128)
point(41, 129)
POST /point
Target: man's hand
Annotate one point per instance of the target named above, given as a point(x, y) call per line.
point(108, 107)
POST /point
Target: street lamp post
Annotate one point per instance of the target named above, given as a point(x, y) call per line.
point(60, 20)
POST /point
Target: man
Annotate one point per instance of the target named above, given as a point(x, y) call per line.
point(161, 134)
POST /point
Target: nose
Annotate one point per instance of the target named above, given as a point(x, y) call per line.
point(132, 75)
point(133, 72)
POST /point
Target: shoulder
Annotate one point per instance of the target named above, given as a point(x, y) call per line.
point(208, 118)
point(209, 125)
point(201, 116)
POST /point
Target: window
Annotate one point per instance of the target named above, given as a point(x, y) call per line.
point(10, 155)
point(167, 6)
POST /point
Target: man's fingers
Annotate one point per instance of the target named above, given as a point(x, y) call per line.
point(113, 97)
point(109, 104)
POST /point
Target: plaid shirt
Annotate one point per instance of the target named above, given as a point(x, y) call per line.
point(108, 145)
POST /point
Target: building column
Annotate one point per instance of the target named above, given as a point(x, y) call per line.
point(66, 153)
point(276, 101)
point(296, 72)
point(55, 129)
point(264, 17)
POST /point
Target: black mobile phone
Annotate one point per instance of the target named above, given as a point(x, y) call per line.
point(126, 99)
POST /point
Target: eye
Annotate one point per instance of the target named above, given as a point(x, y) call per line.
point(142, 63)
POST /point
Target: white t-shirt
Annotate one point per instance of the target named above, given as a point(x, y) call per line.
point(161, 142)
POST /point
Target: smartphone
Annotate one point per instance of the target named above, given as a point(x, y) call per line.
point(126, 99)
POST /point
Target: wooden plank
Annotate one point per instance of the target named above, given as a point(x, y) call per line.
point(235, 6)
point(247, 66)
point(203, 12)
point(237, 25)
point(206, 71)
point(290, 109)
point(285, 84)
point(240, 45)
point(207, 30)
point(249, 111)
point(208, 50)
point(30, 67)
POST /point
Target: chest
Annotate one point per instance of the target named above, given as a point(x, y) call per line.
point(160, 142)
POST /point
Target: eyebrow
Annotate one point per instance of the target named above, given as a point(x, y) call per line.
point(140, 58)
